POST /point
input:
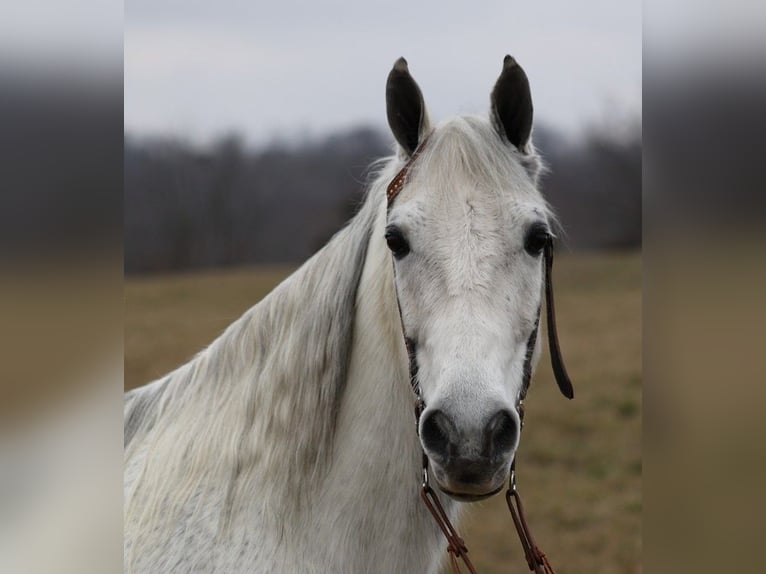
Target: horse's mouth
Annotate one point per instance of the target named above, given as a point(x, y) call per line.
point(462, 497)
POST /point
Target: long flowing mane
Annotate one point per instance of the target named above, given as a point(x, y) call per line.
point(233, 407)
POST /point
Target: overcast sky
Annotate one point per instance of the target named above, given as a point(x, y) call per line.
point(200, 68)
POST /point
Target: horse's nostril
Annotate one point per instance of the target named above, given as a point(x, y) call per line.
point(435, 432)
point(500, 433)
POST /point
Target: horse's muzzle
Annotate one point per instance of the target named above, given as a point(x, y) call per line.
point(469, 462)
point(469, 480)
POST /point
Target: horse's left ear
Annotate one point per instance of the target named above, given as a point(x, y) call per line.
point(512, 105)
point(405, 108)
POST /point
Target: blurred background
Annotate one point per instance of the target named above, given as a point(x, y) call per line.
point(249, 129)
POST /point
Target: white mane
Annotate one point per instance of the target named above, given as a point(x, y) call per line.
point(277, 446)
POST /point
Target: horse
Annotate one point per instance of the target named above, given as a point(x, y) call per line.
point(289, 444)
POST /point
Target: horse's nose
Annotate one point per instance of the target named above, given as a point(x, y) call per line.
point(500, 434)
point(439, 434)
point(443, 441)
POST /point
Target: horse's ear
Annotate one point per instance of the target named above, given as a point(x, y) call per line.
point(512, 105)
point(405, 107)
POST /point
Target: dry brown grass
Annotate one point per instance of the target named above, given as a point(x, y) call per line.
point(580, 461)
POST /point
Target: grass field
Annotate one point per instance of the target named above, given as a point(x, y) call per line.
point(579, 466)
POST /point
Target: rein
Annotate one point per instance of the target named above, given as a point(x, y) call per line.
point(456, 547)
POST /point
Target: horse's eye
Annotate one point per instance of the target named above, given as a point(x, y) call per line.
point(536, 239)
point(396, 242)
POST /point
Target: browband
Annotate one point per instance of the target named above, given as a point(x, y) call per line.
point(400, 179)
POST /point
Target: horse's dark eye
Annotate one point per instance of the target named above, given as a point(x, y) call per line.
point(536, 239)
point(396, 242)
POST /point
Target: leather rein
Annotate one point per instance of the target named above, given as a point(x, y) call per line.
point(456, 547)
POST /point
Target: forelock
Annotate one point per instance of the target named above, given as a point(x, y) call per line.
point(466, 153)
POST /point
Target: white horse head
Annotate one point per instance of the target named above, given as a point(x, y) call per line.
point(287, 444)
point(467, 235)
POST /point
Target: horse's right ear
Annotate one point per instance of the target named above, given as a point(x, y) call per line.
point(405, 107)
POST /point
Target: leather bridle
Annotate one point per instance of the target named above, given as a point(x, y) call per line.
point(456, 548)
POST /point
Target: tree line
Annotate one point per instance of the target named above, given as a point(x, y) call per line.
point(188, 206)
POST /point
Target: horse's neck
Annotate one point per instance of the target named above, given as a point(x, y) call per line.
point(371, 492)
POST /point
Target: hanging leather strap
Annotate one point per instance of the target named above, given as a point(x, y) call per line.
point(557, 362)
point(456, 547)
point(536, 559)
